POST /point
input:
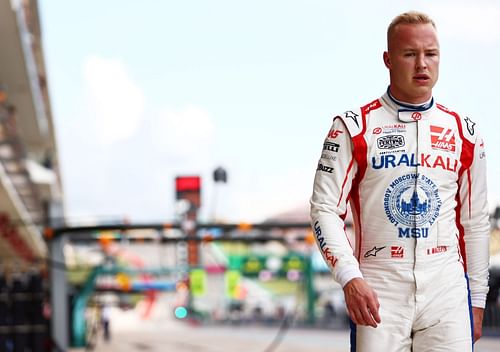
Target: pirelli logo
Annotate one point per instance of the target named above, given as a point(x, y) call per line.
point(442, 138)
point(331, 147)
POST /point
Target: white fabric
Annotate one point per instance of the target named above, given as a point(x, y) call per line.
point(415, 178)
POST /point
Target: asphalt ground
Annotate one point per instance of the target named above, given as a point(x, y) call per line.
point(131, 333)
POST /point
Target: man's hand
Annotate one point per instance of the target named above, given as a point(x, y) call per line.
point(362, 303)
point(477, 315)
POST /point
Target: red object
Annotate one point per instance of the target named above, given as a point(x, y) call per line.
point(442, 138)
point(187, 183)
point(10, 233)
point(193, 253)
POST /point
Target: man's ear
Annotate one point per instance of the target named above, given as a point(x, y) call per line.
point(387, 60)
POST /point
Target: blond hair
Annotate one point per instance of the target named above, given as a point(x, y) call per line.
point(410, 17)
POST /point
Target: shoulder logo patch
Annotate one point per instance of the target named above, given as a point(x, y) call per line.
point(470, 125)
point(352, 115)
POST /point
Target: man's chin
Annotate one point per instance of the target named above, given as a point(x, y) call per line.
point(424, 92)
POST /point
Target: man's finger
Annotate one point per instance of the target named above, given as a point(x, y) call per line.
point(354, 317)
point(362, 317)
point(374, 312)
point(367, 318)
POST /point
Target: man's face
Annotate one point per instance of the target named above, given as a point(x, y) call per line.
point(413, 62)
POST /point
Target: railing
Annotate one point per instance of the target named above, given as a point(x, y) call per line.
point(24, 321)
point(12, 156)
point(491, 322)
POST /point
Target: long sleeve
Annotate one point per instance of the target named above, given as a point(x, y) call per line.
point(474, 217)
point(332, 184)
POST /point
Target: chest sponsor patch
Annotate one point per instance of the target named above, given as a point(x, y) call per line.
point(391, 142)
point(412, 204)
point(390, 129)
point(430, 161)
point(442, 138)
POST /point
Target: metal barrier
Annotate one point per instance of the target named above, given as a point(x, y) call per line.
point(491, 322)
point(23, 326)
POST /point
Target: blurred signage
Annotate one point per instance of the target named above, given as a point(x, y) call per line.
point(252, 265)
point(232, 280)
point(123, 281)
point(189, 187)
point(198, 282)
point(187, 183)
point(293, 262)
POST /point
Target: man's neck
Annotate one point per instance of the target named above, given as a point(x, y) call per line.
point(423, 105)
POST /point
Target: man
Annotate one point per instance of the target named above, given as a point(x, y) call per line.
point(414, 175)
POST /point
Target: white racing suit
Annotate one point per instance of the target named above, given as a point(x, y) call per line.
point(415, 179)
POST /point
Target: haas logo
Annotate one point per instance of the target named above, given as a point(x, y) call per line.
point(442, 138)
point(416, 116)
point(334, 133)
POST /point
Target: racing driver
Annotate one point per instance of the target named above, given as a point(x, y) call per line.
point(415, 273)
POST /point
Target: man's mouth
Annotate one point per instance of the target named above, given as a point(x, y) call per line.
point(421, 77)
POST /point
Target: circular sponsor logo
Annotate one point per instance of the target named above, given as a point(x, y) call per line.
point(412, 200)
point(377, 130)
point(416, 116)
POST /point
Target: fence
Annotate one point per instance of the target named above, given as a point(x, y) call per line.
point(23, 325)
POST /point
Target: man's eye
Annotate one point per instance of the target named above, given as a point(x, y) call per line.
point(409, 54)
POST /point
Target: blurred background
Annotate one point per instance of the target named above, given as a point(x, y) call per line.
point(157, 157)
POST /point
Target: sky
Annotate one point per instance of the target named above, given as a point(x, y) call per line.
point(144, 91)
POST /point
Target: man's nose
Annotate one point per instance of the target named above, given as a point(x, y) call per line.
point(421, 63)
